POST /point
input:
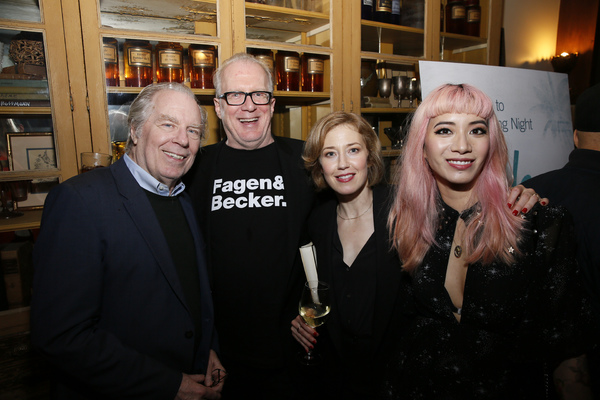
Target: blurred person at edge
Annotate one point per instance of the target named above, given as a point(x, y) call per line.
point(576, 186)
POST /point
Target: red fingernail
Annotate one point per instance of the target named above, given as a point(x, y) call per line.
point(543, 203)
point(515, 213)
point(314, 341)
point(509, 205)
point(315, 334)
point(524, 211)
point(311, 347)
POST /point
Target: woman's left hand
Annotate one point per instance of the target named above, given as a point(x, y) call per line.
point(521, 199)
point(304, 334)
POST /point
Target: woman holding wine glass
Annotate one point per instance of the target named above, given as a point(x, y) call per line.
point(349, 232)
point(368, 291)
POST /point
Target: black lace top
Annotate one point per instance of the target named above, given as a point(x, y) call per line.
point(515, 318)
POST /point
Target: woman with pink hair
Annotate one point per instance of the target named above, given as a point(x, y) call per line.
point(498, 296)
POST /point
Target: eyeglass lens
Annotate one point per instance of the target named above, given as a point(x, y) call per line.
point(239, 98)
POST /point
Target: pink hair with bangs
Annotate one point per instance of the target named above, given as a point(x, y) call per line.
point(415, 213)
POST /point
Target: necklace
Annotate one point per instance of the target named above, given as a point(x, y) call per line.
point(457, 252)
point(358, 216)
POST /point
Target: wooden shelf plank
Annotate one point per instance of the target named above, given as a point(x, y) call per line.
point(29, 220)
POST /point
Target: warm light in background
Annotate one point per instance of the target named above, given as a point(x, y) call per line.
point(564, 62)
point(530, 30)
point(541, 45)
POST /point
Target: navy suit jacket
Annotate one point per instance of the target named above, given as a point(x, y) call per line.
point(108, 309)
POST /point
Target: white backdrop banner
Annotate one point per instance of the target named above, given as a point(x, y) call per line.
point(533, 108)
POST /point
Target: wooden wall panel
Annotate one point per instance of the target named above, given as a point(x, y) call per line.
point(576, 33)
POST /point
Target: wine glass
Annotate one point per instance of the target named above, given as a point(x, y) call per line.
point(385, 87)
point(314, 308)
point(399, 83)
point(413, 90)
point(396, 136)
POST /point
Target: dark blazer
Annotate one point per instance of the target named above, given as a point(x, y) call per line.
point(299, 197)
point(391, 298)
point(577, 187)
point(108, 309)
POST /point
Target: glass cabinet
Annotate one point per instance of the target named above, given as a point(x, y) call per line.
point(36, 130)
point(36, 152)
point(387, 85)
point(129, 47)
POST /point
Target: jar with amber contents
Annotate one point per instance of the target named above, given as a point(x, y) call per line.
point(266, 57)
point(287, 67)
point(473, 23)
point(456, 16)
point(202, 64)
point(137, 61)
point(169, 62)
point(313, 68)
point(110, 49)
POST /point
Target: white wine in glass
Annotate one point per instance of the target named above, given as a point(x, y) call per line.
point(314, 308)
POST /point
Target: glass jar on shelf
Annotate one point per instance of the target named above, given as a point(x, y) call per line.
point(382, 11)
point(287, 66)
point(313, 69)
point(456, 16)
point(266, 57)
point(110, 49)
point(473, 21)
point(202, 64)
point(169, 62)
point(137, 62)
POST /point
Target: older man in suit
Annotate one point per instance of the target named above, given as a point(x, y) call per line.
point(122, 306)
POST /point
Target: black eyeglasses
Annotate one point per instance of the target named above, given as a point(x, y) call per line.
point(218, 375)
point(239, 98)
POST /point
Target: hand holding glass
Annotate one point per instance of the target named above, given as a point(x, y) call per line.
point(314, 308)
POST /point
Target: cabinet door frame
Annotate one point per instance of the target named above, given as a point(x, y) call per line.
point(52, 28)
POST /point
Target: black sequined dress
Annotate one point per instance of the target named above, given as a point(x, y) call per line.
point(517, 320)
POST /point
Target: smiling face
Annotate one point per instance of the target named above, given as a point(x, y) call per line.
point(247, 126)
point(456, 148)
point(169, 139)
point(344, 161)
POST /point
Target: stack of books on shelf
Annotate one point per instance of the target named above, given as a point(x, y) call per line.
point(24, 93)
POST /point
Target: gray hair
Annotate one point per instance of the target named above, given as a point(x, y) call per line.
point(241, 57)
point(143, 106)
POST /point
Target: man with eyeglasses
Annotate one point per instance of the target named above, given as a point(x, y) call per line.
point(122, 306)
point(252, 196)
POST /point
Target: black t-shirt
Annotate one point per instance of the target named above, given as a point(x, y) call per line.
point(248, 213)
